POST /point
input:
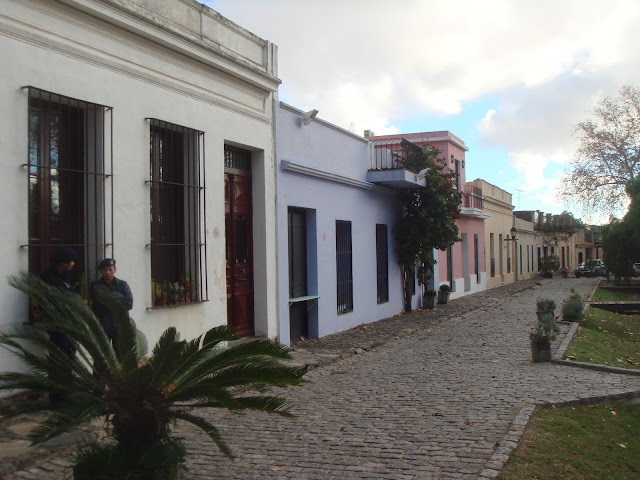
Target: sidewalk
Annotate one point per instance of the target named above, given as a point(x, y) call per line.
point(16, 454)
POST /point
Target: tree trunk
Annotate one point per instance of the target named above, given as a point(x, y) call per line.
point(407, 283)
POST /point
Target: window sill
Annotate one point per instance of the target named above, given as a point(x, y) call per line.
point(176, 305)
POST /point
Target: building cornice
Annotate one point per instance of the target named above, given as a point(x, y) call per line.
point(298, 169)
point(341, 130)
point(446, 138)
point(197, 45)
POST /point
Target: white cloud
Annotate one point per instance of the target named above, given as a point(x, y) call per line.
point(374, 64)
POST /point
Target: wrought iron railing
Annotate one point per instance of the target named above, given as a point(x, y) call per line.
point(472, 197)
point(393, 154)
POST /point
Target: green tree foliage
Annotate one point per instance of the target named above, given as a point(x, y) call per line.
point(621, 238)
point(608, 154)
point(428, 217)
point(138, 399)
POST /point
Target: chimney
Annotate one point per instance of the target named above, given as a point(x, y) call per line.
point(369, 133)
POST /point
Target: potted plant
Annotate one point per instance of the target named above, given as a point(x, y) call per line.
point(573, 308)
point(139, 401)
point(541, 337)
point(160, 293)
point(545, 306)
point(443, 293)
point(550, 264)
point(429, 298)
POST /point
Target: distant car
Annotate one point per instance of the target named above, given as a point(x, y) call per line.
point(590, 268)
point(636, 269)
point(583, 271)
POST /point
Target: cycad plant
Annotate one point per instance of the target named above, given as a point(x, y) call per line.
point(139, 399)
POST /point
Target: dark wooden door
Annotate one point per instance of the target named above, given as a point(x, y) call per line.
point(239, 247)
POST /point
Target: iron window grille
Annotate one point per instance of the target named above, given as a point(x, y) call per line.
point(344, 267)
point(382, 263)
point(178, 214)
point(70, 182)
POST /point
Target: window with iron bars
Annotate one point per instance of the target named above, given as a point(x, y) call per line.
point(178, 247)
point(70, 184)
point(344, 267)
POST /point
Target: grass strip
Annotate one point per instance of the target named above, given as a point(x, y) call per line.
point(579, 443)
point(602, 295)
point(607, 338)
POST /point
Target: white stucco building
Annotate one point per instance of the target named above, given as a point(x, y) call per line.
point(336, 212)
point(141, 130)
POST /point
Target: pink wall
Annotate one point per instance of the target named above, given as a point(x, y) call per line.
point(470, 226)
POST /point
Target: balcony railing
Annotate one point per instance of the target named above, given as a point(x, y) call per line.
point(472, 197)
point(392, 154)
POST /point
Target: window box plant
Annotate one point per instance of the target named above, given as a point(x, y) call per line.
point(541, 337)
point(443, 293)
point(429, 298)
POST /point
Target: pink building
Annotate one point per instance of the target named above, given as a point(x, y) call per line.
point(462, 265)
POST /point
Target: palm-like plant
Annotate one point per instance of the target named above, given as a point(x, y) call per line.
point(139, 399)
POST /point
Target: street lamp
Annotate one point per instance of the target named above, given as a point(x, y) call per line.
point(513, 238)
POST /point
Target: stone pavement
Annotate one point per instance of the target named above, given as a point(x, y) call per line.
point(440, 394)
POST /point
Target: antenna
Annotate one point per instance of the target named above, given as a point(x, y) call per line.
point(518, 190)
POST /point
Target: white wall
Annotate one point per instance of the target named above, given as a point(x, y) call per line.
point(340, 157)
point(142, 71)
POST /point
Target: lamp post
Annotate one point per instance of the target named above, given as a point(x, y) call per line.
point(513, 238)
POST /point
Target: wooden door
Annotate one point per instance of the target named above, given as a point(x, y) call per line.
point(239, 248)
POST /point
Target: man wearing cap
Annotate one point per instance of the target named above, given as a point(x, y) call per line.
point(62, 261)
point(119, 289)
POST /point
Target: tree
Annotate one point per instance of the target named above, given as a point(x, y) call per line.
point(608, 154)
point(428, 217)
point(138, 399)
point(621, 238)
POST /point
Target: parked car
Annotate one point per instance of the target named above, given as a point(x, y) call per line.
point(636, 269)
point(590, 268)
point(582, 271)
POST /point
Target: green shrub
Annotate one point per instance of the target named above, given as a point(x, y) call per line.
point(445, 288)
point(546, 330)
point(573, 308)
point(546, 304)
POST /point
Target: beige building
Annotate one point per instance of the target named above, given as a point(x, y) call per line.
point(500, 248)
point(527, 246)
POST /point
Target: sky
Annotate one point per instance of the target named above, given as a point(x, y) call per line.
point(511, 78)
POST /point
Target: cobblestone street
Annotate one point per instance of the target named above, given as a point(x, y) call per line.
point(435, 401)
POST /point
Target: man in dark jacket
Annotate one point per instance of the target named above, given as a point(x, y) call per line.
point(62, 261)
point(119, 289)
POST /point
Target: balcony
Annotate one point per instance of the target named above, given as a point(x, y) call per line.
point(472, 202)
point(390, 160)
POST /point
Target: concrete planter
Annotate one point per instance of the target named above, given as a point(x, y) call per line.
point(542, 313)
point(443, 297)
point(429, 301)
point(541, 351)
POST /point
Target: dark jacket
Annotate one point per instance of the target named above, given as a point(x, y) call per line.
point(58, 280)
point(120, 290)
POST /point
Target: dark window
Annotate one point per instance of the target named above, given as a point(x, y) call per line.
point(382, 263)
point(297, 253)
point(450, 268)
point(70, 186)
point(458, 185)
point(476, 257)
point(178, 248)
point(344, 266)
point(520, 258)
